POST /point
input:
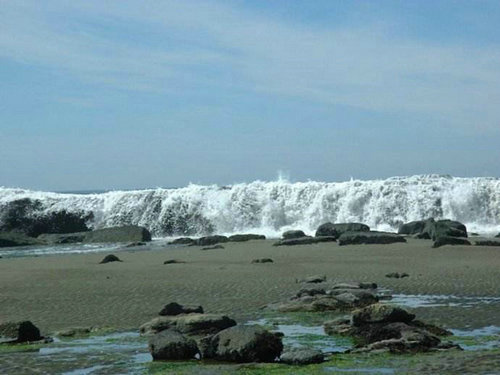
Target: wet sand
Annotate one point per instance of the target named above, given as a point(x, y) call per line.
point(57, 292)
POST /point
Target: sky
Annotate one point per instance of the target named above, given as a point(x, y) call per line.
point(136, 94)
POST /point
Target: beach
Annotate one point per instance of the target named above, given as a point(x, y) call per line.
point(64, 291)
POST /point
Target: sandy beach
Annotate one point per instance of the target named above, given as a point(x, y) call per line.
point(63, 291)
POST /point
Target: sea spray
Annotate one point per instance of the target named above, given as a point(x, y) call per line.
point(272, 207)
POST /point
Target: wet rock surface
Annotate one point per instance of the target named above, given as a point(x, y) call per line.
point(263, 260)
point(302, 356)
point(173, 308)
point(441, 241)
point(209, 240)
point(193, 324)
point(172, 345)
point(303, 241)
point(292, 234)
point(357, 238)
point(215, 247)
point(397, 275)
point(127, 233)
point(336, 230)
point(246, 237)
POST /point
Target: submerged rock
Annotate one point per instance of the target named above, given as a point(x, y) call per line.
point(172, 345)
point(194, 324)
point(302, 356)
point(110, 258)
point(355, 238)
point(304, 241)
point(263, 260)
point(441, 241)
point(242, 344)
point(246, 237)
point(173, 308)
point(18, 332)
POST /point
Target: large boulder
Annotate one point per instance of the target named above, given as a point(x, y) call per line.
point(413, 227)
point(210, 240)
point(336, 230)
point(379, 313)
point(446, 240)
point(128, 233)
point(193, 324)
point(173, 308)
point(242, 344)
point(304, 241)
point(11, 239)
point(356, 238)
point(246, 237)
point(302, 356)
point(17, 332)
point(172, 345)
point(291, 234)
point(448, 228)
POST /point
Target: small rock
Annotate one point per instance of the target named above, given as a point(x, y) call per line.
point(172, 345)
point(314, 279)
point(110, 258)
point(182, 241)
point(213, 247)
point(173, 261)
point(300, 356)
point(291, 234)
point(397, 275)
point(174, 308)
point(263, 260)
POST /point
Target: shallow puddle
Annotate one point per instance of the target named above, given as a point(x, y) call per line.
point(477, 339)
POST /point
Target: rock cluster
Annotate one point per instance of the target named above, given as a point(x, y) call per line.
point(442, 232)
point(216, 239)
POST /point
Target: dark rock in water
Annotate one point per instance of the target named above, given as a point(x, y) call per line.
point(302, 356)
point(246, 237)
point(397, 275)
point(291, 234)
point(379, 313)
point(17, 332)
point(413, 227)
point(314, 279)
point(216, 247)
point(110, 258)
point(173, 261)
point(11, 239)
point(441, 241)
point(263, 260)
point(172, 345)
point(303, 241)
point(174, 308)
point(355, 238)
point(129, 233)
point(242, 344)
point(210, 240)
point(487, 243)
point(182, 241)
point(336, 230)
point(27, 216)
point(193, 324)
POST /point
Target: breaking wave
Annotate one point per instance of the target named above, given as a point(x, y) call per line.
point(272, 207)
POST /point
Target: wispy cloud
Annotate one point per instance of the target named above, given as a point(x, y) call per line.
point(179, 47)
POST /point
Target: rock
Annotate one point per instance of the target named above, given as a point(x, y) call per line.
point(246, 237)
point(310, 292)
point(291, 234)
point(448, 228)
point(210, 240)
point(193, 324)
point(242, 344)
point(354, 238)
point(302, 356)
point(487, 243)
point(441, 241)
point(172, 345)
point(215, 247)
point(498, 235)
point(397, 275)
point(110, 258)
point(173, 308)
point(435, 330)
point(173, 261)
point(354, 286)
point(336, 230)
point(12, 239)
point(379, 313)
point(17, 332)
point(413, 227)
point(339, 326)
point(135, 244)
point(182, 241)
point(304, 241)
point(263, 260)
point(129, 233)
point(314, 279)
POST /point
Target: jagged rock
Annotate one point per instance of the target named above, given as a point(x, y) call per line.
point(304, 241)
point(182, 241)
point(12, 239)
point(110, 258)
point(173, 308)
point(487, 243)
point(379, 313)
point(336, 230)
point(246, 237)
point(441, 241)
point(17, 332)
point(302, 356)
point(210, 240)
point(173, 261)
point(291, 234)
point(314, 279)
point(172, 345)
point(397, 275)
point(263, 260)
point(215, 247)
point(242, 344)
point(354, 238)
point(194, 324)
point(128, 233)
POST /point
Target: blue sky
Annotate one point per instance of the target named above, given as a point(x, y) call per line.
point(133, 94)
